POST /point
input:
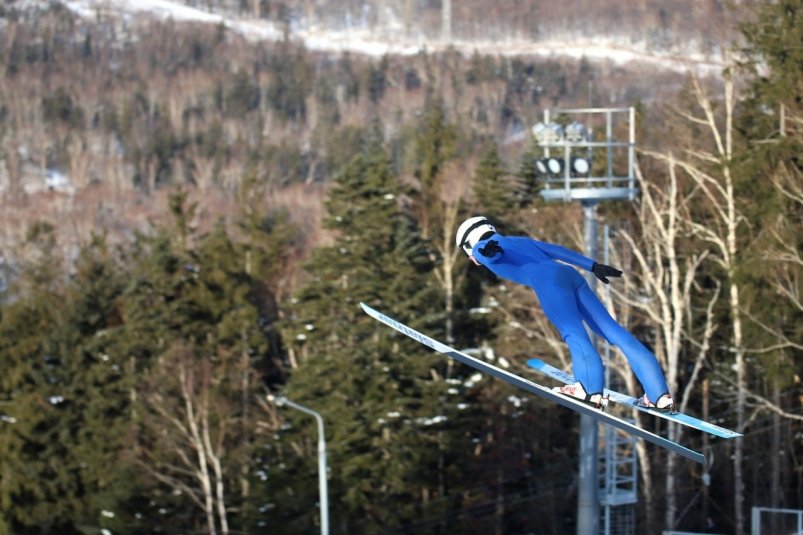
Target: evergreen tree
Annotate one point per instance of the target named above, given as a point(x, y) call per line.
point(771, 178)
point(39, 476)
point(434, 145)
point(771, 193)
point(494, 458)
point(203, 365)
point(99, 423)
point(528, 172)
point(379, 393)
point(270, 243)
point(518, 442)
point(160, 315)
point(242, 96)
point(376, 80)
point(496, 193)
point(290, 83)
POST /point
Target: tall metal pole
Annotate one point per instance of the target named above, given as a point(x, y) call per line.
point(590, 188)
point(587, 501)
point(323, 491)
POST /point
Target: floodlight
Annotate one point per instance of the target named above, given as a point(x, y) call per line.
point(575, 132)
point(555, 165)
point(555, 132)
point(539, 132)
point(580, 166)
point(541, 165)
point(547, 134)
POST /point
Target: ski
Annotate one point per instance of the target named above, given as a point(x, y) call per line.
point(629, 401)
point(534, 388)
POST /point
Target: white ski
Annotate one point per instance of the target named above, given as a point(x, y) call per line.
point(534, 388)
point(629, 401)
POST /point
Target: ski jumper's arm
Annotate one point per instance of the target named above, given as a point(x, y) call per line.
point(566, 255)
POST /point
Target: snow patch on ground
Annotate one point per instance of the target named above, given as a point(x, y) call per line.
point(392, 41)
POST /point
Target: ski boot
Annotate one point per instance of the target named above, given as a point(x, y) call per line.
point(665, 403)
point(577, 391)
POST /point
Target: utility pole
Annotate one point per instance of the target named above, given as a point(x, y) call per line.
point(568, 174)
point(587, 499)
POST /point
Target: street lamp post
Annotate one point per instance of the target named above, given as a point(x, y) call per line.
point(322, 485)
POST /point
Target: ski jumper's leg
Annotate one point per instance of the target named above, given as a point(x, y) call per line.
point(642, 361)
point(555, 288)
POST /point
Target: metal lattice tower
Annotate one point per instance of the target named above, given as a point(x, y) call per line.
point(618, 463)
point(589, 156)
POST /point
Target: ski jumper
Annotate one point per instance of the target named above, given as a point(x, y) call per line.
point(568, 301)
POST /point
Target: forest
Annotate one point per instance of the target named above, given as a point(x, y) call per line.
point(190, 220)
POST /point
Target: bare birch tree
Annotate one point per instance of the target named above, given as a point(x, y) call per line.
point(451, 191)
point(783, 253)
point(710, 166)
point(779, 252)
point(666, 277)
point(188, 435)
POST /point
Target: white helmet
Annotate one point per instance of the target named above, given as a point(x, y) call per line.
point(470, 232)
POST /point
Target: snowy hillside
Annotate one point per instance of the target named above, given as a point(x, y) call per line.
point(391, 36)
point(115, 100)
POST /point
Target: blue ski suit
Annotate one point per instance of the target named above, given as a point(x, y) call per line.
point(568, 301)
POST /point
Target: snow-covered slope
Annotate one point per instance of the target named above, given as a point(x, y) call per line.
point(392, 40)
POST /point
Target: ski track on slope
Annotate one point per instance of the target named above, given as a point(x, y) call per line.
point(367, 42)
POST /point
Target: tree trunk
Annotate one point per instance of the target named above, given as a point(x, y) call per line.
point(202, 472)
point(646, 479)
point(776, 459)
point(671, 468)
point(214, 458)
point(741, 372)
point(499, 512)
point(206, 486)
point(245, 395)
point(706, 476)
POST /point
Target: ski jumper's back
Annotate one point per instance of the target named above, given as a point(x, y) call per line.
point(533, 263)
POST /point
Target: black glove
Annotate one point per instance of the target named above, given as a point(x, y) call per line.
point(602, 272)
point(491, 248)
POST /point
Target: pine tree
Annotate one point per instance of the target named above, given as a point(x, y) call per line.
point(39, 487)
point(434, 146)
point(203, 365)
point(94, 372)
point(770, 182)
point(380, 394)
point(70, 397)
point(497, 194)
point(160, 316)
point(528, 173)
point(492, 460)
point(516, 437)
point(269, 244)
point(771, 193)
